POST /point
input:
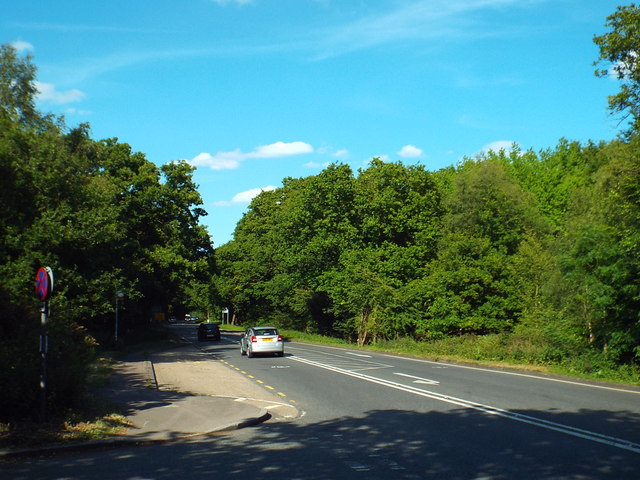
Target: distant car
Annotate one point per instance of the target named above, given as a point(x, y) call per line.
point(258, 340)
point(207, 331)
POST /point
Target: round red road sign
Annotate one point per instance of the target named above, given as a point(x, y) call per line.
point(44, 283)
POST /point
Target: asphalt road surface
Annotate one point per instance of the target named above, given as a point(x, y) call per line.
point(374, 416)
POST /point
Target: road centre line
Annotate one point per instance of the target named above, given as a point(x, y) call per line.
point(538, 422)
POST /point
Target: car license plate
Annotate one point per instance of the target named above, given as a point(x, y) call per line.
point(267, 339)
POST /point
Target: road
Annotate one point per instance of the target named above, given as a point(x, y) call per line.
point(375, 416)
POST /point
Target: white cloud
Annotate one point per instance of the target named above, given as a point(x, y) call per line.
point(409, 151)
point(244, 197)
point(280, 149)
point(232, 160)
point(341, 153)
point(48, 92)
point(219, 161)
point(21, 46)
point(498, 145)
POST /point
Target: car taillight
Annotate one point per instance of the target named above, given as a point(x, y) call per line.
point(279, 338)
point(254, 339)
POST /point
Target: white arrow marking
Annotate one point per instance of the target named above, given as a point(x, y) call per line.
point(424, 381)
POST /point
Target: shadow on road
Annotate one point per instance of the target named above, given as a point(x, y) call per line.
point(386, 444)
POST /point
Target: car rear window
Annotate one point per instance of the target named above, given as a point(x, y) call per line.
point(266, 332)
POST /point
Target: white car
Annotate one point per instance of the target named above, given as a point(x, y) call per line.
point(258, 340)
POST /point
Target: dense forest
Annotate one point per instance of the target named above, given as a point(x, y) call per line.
point(536, 250)
point(544, 245)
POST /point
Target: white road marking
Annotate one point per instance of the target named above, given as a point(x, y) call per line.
point(517, 374)
point(342, 361)
point(538, 422)
point(442, 364)
point(424, 381)
point(358, 354)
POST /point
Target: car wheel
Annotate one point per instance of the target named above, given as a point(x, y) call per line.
point(249, 353)
point(242, 352)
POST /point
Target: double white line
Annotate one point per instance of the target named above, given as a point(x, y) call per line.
point(538, 422)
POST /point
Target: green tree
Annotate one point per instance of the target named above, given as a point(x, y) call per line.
point(619, 49)
point(487, 202)
point(470, 288)
point(553, 175)
point(602, 261)
point(398, 204)
point(360, 295)
point(17, 86)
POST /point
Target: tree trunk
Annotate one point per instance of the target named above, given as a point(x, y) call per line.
point(362, 326)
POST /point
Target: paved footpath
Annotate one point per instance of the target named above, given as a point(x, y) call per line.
point(184, 392)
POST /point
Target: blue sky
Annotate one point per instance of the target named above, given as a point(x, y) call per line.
point(253, 91)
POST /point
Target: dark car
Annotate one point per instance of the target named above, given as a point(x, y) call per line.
point(207, 331)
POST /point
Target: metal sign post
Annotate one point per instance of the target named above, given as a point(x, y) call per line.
point(44, 349)
point(44, 289)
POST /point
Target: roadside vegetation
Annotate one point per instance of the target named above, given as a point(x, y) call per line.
point(513, 256)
